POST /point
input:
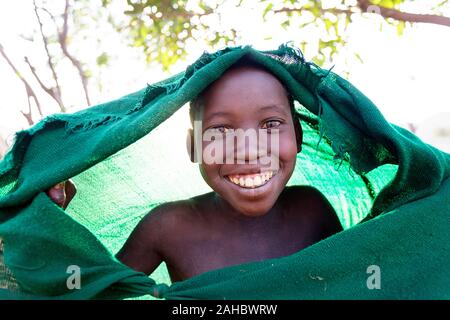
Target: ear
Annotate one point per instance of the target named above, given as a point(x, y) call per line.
point(190, 147)
point(298, 132)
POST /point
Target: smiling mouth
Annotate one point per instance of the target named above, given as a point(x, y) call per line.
point(251, 181)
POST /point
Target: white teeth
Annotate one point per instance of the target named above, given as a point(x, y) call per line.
point(251, 181)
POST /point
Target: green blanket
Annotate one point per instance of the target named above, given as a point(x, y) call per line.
point(390, 190)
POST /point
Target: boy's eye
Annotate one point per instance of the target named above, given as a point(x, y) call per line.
point(219, 129)
point(271, 124)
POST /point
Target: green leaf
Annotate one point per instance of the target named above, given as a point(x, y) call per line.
point(347, 21)
point(87, 73)
point(316, 11)
point(303, 47)
point(143, 32)
point(105, 2)
point(328, 24)
point(103, 59)
point(359, 57)
point(267, 9)
point(286, 24)
point(390, 4)
point(319, 59)
point(400, 28)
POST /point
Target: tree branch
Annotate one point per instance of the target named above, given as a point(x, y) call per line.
point(331, 10)
point(395, 14)
point(55, 93)
point(28, 115)
point(33, 71)
point(50, 91)
point(365, 5)
point(62, 39)
point(28, 88)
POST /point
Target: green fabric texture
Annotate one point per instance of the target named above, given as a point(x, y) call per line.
point(391, 192)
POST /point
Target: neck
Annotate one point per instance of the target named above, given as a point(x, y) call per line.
point(231, 214)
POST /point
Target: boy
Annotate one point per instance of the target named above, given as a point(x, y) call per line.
point(251, 215)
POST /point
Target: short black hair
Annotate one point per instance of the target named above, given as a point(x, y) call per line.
point(245, 61)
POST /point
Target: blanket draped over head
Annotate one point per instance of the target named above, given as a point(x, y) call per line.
point(391, 192)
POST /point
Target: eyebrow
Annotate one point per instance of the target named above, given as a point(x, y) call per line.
point(217, 114)
point(273, 107)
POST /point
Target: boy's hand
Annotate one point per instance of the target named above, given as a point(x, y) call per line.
point(62, 193)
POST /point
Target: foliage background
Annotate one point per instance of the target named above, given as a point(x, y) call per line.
point(61, 56)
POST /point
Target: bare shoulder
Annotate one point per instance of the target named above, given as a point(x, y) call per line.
point(152, 230)
point(171, 216)
point(146, 246)
point(316, 206)
point(168, 214)
point(305, 194)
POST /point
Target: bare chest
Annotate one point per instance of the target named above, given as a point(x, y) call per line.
point(216, 247)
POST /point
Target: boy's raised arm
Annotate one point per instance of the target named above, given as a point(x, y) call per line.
point(141, 250)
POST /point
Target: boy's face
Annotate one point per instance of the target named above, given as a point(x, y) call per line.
point(251, 99)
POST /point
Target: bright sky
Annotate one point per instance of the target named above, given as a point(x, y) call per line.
point(406, 77)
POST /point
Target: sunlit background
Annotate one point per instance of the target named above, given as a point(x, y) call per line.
point(403, 68)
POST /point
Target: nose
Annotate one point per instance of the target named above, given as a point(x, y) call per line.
point(247, 148)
